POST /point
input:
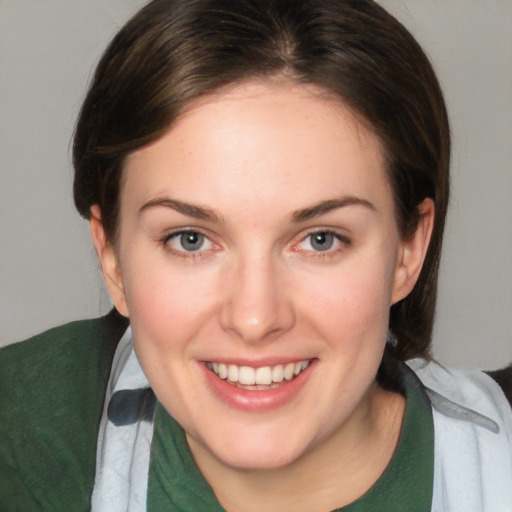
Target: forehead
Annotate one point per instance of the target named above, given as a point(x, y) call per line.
point(280, 141)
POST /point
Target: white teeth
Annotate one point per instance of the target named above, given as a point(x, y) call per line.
point(264, 375)
point(246, 376)
point(278, 373)
point(223, 371)
point(232, 373)
point(258, 378)
point(288, 371)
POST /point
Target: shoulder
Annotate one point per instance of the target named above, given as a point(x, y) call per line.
point(56, 364)
point(83, 337)
point(504, 378)
point(473, 439)
point(51, 349)
point(53, 387)
point(468, 389)
point(72, 353)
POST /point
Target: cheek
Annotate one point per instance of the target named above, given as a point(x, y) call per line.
point(166, 302)
point(353, 303)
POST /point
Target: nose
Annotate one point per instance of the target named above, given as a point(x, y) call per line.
point(256, 306)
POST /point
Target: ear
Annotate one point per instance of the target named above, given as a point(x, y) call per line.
point(109, 261)
point(412, 253)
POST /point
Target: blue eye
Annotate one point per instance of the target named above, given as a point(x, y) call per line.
point(188, 241)
point(322, 241)
point(191, 241)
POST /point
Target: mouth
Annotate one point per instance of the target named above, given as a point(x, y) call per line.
point(258, 379)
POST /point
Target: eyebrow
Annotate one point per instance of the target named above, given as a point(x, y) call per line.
point(197, 212)
point(328, 205)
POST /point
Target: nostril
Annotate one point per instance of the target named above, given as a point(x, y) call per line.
point(254, 307)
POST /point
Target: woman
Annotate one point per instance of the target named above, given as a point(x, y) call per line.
point(266, 183)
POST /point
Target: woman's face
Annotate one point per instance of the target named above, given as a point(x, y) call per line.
point(258, 257)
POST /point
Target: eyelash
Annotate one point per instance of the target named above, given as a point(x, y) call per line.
point(330, 252)
point(200, 253)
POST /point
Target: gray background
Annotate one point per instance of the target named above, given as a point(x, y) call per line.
point(48, 269)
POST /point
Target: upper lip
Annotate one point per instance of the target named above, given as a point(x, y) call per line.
point(257, 363)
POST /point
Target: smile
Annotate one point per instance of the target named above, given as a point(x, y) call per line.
point(265, 377)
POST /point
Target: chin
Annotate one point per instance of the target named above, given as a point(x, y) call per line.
point(262, 457)
point(256, 447)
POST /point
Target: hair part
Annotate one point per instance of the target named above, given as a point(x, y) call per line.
point(173, 52)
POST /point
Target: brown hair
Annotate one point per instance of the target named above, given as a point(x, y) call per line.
point(173, 51)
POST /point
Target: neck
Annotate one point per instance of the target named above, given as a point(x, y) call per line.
point(330, 475)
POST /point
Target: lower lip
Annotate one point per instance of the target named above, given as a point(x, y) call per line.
point(256, 400)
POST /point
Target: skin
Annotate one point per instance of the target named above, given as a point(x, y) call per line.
point(256, 159)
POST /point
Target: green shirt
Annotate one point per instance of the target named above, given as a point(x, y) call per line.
point(52, 389)
point(405, 486)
